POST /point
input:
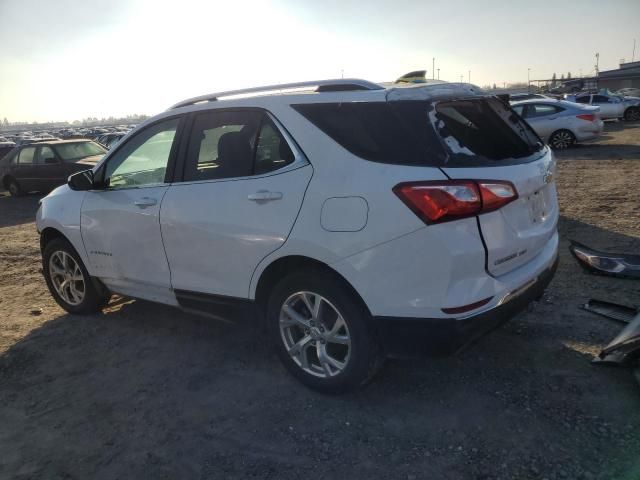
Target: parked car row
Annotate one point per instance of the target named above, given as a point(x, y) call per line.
point(577, 118)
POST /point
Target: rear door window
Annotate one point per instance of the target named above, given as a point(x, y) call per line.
point(272, 150)
point(222, 145)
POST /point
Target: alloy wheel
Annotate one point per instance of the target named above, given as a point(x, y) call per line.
point(315, 334)
point(562, 140)
point(67, 278)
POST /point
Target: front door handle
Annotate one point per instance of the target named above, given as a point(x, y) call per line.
point(145, 202)
point(264, 196)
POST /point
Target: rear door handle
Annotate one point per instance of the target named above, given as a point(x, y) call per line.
point(145, 202)
point(264, 196)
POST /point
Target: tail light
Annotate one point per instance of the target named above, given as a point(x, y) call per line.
point(589, 117)
point(436, 202)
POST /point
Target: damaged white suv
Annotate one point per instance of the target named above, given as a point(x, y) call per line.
point(360, 221)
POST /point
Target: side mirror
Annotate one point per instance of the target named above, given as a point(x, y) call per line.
point(81, 181)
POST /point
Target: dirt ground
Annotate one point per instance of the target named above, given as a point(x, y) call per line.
point(146, 391)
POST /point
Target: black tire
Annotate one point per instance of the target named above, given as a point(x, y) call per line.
point(14, 188)
point(95, 295)
point(632, 114)
point(561, 139)
point(365, 356)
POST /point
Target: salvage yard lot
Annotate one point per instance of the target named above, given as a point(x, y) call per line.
point(147, 391)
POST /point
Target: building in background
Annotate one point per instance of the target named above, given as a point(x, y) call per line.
point(627, 76)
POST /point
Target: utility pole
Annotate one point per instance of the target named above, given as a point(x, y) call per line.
point(438, 74)
point(597, 64)
point(433, 68)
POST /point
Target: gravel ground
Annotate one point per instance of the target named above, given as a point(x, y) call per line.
point(146, 391)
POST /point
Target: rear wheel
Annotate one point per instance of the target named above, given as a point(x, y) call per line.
point(632, 114)
point(562, 139)
point(322, 333)
point(69, 281)
point(14, 188)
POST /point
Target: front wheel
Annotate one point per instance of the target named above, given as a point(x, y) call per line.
point(562, 139)
point(322, 333)
point(69, 281)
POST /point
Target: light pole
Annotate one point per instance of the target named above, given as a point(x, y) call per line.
point(528, 80)
point(438, 74)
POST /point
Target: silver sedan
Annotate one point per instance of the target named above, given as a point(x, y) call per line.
point(560, 123)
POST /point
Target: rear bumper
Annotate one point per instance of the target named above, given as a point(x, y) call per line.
point(409, 337)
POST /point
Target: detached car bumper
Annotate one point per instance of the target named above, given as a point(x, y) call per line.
point(410, 337)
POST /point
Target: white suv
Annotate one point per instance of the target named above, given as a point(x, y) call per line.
point(361, 221)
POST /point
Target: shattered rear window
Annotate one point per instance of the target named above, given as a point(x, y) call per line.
point(485, 128)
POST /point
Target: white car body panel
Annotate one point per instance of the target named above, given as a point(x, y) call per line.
point(215, 235)
point(517, 232)
point(60, 210)
point(121, 234)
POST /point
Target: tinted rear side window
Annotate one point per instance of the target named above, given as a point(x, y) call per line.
point(386, 132)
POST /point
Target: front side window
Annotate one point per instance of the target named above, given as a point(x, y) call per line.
point(584, 99)
point(27, 156)
point(143, 160)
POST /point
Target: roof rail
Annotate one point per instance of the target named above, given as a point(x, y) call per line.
point(320, 86)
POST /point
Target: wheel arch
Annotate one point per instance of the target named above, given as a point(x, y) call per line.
point(50, 233)
point(283, 266)
point(5, 180)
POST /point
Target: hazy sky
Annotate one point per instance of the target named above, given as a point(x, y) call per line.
point(70, 59)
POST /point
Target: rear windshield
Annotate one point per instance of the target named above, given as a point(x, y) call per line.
point(78, 150)
point(453, 133)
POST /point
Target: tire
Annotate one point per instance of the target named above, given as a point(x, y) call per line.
point(69, 281)
point(353, 355)
point(14, 188)
point(632, 114)
point(561, 139)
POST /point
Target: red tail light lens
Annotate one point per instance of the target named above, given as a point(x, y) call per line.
point(436, 202)
point(586, 116)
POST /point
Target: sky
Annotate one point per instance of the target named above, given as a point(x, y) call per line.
point(72, 59)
